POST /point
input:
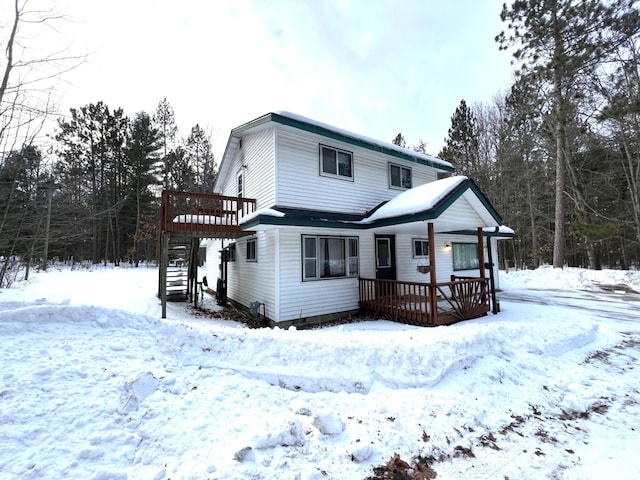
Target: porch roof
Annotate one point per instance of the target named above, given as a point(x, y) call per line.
point(407, 212)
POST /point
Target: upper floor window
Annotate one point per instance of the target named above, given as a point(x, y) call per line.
point(399, 177)
point(240, 184)
point(420, 248)
point(336, 163)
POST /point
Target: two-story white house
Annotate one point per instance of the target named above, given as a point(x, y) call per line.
point(342, 223)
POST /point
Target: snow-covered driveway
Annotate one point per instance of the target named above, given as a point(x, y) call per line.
point(93, 384)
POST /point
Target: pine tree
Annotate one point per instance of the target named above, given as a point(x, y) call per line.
point(559, 41)
point(142, 156)
point(399, 141)
point(461, 144)
point(201, 158)
point(164, 120)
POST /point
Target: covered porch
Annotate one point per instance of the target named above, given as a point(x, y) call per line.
point(434, 302)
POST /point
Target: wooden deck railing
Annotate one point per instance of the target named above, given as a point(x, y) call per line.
point(426, 304)
point(202, 213)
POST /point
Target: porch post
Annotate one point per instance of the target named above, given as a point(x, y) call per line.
point(481, 252)
point(432, 252)
point(433, 301)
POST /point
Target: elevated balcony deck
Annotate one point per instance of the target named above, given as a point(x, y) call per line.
point(203, 215)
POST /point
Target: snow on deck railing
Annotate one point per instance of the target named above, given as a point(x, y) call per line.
point(201, 212)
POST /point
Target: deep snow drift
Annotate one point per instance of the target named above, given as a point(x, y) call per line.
point(93, 384)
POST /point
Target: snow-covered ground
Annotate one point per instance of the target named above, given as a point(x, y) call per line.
point(94, 385)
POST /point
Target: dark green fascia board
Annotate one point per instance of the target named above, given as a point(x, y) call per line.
point(430, 214)
point(297, 222)
point(335, 135)
point(475, 233)
point(441, 207)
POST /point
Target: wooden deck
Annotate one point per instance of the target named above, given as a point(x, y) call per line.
point(426, 304)
point(185, 219)
point(203, 215)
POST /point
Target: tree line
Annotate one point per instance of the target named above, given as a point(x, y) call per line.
point(95, 194)
point(559, 153)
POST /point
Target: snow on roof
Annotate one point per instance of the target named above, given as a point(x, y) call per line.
point(502, 230)
point(417, 199)
point(267, 212)
point(363, 138)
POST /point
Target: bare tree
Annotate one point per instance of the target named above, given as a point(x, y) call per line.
point(28, 75)
point(30, 71)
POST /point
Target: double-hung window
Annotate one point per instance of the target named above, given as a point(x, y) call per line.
point(329, 257)
point(399, 177)
point(465, 256)
point(251, 250)
point(336, 163)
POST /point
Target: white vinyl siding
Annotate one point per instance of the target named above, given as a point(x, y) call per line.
point(301, 299)
point(254, 281)
point(255, 162)
point(300, 185)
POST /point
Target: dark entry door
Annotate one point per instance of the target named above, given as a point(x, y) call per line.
point(385, 257)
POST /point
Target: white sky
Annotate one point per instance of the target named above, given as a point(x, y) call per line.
point(373, 67)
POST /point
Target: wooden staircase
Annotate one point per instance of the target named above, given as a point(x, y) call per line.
point(185, 219)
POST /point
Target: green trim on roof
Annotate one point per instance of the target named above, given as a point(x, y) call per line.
point(475, 233)
point(429, 214)
point(340, 136)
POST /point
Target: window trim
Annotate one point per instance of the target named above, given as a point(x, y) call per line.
point(348, 257)
point(240, 187)
point(401, 167)
point(425, 243)
point(252, 241)
point(455, 246)
point(231, 252)
point(337, 174)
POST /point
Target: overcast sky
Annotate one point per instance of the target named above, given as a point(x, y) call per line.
point(373, 67)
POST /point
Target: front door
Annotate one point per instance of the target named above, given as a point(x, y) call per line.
point(385, 257)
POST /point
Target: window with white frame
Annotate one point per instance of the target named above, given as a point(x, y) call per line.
point(336, 163)
point(329, 257)
point(251, 250)
point(399, 177)
point(420, 248)
point(465, 256)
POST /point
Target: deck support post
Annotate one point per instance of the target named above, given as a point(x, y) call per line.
point(433, 301)
point(164, 264)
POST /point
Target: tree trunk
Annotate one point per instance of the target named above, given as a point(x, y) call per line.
point(559, 232)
